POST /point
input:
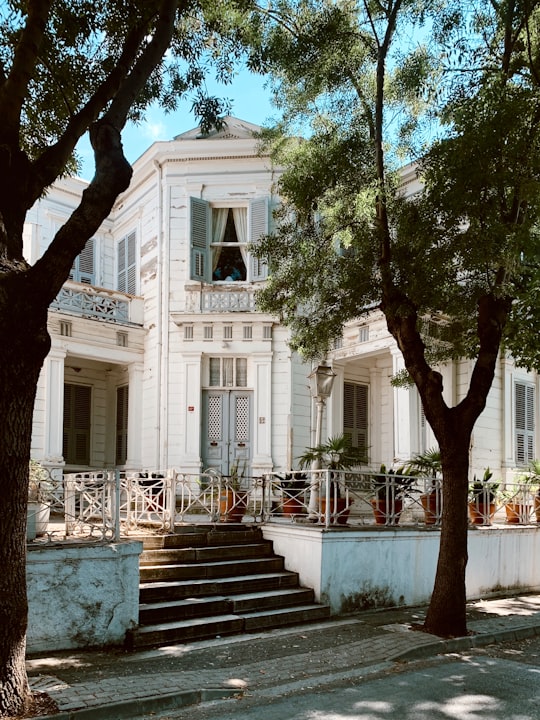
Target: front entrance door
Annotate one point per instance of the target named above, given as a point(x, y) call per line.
point(226, 438)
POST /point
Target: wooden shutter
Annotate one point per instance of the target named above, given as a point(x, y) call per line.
point(83, 269)
point(524, 423)
point(355, 414)
point(127, 264)
point(258, 226)
point(122, 394)
point(77, 407)
point(200, 229)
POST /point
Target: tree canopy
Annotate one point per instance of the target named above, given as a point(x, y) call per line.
point(446, 94)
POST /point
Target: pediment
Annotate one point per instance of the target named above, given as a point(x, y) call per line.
point(234, 129)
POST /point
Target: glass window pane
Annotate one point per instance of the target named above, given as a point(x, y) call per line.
point(214, 372)
point(241, 372)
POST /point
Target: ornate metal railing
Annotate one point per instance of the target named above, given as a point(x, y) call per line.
point(106, 504)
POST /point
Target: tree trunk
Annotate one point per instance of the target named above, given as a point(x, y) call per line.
point(447, 609)
point(24, 344)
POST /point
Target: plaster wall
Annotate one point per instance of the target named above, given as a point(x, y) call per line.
point(81, 596)
point(359, 569)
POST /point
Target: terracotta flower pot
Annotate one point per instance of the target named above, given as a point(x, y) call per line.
point(383, 514)
point(232, 506)
point(339, 510)
point(431, 503)
point(481, 513)
point(517, 513)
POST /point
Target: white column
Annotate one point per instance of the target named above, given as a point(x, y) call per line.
point(135, 415)
point(375, 444)
point(262, 413)
point(191, 437)
point(402, 413)
point(54, 405)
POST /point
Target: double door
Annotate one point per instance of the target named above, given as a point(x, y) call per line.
point(226, 432)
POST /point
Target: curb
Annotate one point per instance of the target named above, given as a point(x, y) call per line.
point(442, 647)
point(140, 706)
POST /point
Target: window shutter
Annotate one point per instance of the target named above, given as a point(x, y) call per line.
point(122, 394)
point(258, 226)
point(200, 239)
point(77, 405)
point(82, 269)
point(355, 414)
point(127, 264)
point(524, 423)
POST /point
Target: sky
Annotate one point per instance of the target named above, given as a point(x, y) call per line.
point(250, 102)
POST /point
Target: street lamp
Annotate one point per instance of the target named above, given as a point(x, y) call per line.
point(321, 382)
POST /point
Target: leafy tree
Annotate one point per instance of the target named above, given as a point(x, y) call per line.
point(464, 99)
point(68, 67)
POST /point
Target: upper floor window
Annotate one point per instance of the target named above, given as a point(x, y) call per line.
point(524, 423)
point(83, 269)
point(126, 256)
point(219, 241)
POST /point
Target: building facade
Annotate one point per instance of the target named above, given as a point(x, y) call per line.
point(161, 359)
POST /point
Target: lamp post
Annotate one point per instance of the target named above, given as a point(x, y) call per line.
point(321, 382)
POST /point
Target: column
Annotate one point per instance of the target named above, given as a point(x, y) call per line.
point(135, 415)
point(262, 414)
point(54, 405)
point(401, 412)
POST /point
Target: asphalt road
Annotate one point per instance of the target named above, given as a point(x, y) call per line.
point(500, 682)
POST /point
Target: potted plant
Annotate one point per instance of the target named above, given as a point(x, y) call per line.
point(232, 502)
point(337, 455)
point(39, 509)
point(518, 503)
point(534, 475)
point(390, 487)
point(482, 499)
point(428, 465)
point(293, 487)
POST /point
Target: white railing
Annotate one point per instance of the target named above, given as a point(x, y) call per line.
point(100, 303)
point(107, 504)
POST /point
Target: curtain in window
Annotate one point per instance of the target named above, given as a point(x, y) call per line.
point(219, 222)
point(241, 227)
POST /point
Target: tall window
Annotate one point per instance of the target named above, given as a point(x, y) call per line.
point(76, 441)
point(127, 264)
point(83, 269)
point(121, 424)
point(524, 423)
point(220, 238)
point(355, 414)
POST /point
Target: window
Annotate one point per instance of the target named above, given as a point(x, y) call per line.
point(76, 440)
point(227, 332)
point(208, 332)
point(188, 332)
point(524, 423)
point(127, 264)
point(355, 414)
point(121, 424)
point(248, 332)
point(219, 240)
point(65, 328)
point(122, 339)
point(227, 372)
point(267, 332)
point(83, 266)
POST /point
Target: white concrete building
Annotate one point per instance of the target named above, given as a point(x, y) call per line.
point(160, 359)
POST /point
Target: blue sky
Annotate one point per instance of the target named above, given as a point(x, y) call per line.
point(250, 102)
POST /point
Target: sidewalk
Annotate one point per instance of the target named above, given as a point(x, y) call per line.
point(104, 685)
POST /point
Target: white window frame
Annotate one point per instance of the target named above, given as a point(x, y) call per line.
point(201, 237)
point(524, 422)
point(127, 264)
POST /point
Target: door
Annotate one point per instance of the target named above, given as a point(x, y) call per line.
point(226, 437)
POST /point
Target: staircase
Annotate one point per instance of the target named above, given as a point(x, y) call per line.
point(214, 580)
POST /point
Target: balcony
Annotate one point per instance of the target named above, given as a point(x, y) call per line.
point(99, 303)
point(219, 299)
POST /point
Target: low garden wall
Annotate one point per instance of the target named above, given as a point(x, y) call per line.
point(353, 569)
point(81, 595)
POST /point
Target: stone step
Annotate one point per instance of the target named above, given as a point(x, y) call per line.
point(175, 556)
point(209, 587)
point(159, 612)
point(198, 571)
point(202, 535)
point(208, 627)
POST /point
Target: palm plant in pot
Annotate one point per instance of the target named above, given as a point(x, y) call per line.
point(39, 509)
point(534, 473)
point(335, 455)
point(482, 499)
point(232, 501)
point(293, 488)
point(428, 465)
point(389, 488)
